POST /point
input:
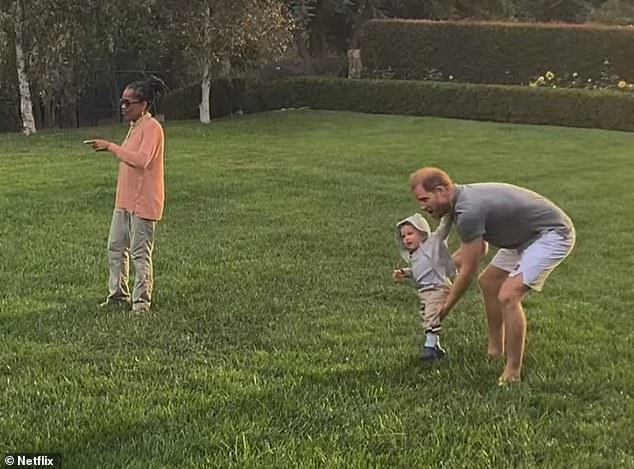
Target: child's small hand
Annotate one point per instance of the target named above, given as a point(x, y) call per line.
point(398, 274)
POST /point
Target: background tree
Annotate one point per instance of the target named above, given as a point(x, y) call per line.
point(55, 59)
point(132, 37)
point(68, 59)
point(302, 13)
point(73, 56)
point(18, 15)
point(615, 12)
point(221, 37)
point(9, 105)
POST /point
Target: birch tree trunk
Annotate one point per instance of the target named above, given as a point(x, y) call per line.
point(354, 63)
point(205, 115)
point(26, 104)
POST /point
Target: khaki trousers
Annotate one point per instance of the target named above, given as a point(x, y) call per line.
point(431, 303)
point(130, 234)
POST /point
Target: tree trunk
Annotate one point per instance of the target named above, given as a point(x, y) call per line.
point(303, 52)
point(359, 20)
point(205, 116)
point(26, 104)
point(49, 110)
point(354, 63)
point(318, 46)
point(226, 73)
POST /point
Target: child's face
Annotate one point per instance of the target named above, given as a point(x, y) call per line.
point(411, 237)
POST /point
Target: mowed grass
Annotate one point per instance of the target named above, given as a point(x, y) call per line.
point(277, 337)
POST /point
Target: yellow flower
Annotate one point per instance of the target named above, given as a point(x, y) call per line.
point(622, 84)
point(540, 80)
point(550, 75)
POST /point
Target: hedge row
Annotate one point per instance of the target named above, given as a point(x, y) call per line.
point(495, 53)
point(519, 104)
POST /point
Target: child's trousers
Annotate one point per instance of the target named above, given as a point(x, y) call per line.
point(431, 303)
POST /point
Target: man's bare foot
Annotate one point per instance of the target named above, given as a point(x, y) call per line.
point(495, 352)
point(509, 376)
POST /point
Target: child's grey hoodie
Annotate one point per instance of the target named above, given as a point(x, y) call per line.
point(430, 265)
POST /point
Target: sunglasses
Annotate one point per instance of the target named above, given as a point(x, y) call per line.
point(127, 102)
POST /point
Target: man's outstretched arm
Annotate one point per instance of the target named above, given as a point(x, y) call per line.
point(470, 254)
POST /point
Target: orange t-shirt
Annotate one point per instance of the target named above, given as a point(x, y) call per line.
point(140, 183)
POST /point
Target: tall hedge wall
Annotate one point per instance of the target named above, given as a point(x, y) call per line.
point(497, 53)
point(520, 104)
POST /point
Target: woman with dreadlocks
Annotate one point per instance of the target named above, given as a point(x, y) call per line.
point(139, 197)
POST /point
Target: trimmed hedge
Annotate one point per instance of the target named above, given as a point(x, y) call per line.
point(495, 53)
point(519, 104)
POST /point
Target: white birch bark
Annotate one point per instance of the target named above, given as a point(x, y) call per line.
point(205, 114)
point(204, 107)
point(26, 104)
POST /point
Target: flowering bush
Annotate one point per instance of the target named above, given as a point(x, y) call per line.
point(605, 80)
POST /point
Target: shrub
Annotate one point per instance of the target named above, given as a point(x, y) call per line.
point(9, 115)
point(495, 53)
point(521, 104)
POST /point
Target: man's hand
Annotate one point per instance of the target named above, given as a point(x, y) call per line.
point(97, 144)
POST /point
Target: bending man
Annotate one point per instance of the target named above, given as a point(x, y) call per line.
point(533, 236)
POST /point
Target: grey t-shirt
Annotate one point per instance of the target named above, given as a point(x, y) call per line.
point(505, 215)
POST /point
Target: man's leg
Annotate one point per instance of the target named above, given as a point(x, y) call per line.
point(119, 257)
point(510, 299)
point(142, 247)
point(537, 262)
point(491, 280)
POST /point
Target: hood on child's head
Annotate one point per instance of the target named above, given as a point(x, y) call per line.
point(418, 222)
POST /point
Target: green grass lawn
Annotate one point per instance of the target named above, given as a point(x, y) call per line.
point(277, 337)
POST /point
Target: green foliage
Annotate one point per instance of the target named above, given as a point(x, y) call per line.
point(499, 53)
point(523, 104)
point(182, 103)
point(571, 11)
point(605, 80)
point(9, 115)
point(234, 33)
point(615, 12)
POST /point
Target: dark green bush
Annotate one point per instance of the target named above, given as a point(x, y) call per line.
point(226, 97)
point(520, 104)
point(495, 53)
point(9, 115)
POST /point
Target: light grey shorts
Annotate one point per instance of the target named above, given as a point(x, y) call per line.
point(538, 259)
